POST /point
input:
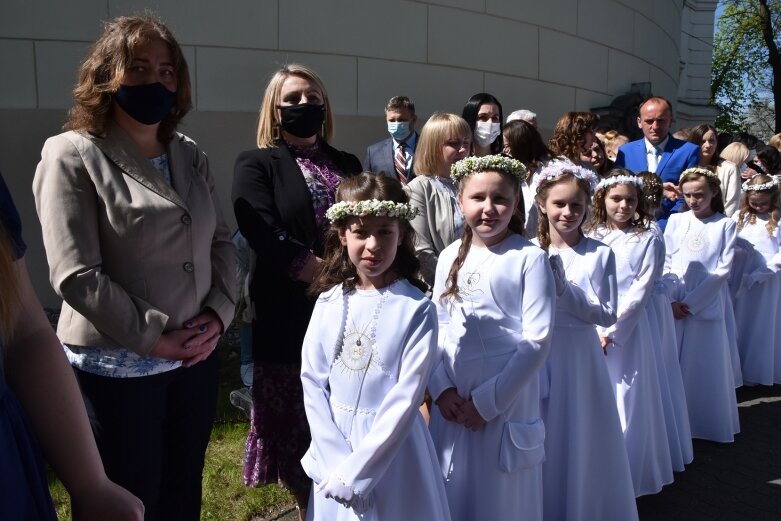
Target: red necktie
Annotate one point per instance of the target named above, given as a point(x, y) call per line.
point(400, 162)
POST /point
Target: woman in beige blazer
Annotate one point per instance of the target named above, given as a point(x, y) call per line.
point(444, 139)
point(140, 253)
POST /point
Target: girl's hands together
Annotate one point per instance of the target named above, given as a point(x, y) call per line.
point(680, 310)
point(469, 417)
point(449, 403)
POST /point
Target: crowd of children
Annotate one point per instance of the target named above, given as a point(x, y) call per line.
point(568, 373)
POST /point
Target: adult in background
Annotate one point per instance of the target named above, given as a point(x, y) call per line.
point(737, 154)
point(706, 137)
point(660, 153)
point(395, 156)
point(444, 139)
point(483, 114)
point(573, 137)
point(281, 191)
point(523, 115)
point(141, 256)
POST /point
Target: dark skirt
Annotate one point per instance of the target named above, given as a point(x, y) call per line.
point(279, 433)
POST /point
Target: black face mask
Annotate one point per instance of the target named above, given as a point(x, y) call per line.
point(147, 104)
point(302, 120)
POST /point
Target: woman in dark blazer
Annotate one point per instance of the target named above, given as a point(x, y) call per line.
point(281, 191)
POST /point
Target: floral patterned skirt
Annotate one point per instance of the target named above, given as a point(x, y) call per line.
point(279, 433)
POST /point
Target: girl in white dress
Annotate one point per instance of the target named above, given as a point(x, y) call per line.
point(367, 355)
point(757, 293)
point(586, 472)
point(620, 221)
point(700, 245)
point(665, 343)
point(495, 298)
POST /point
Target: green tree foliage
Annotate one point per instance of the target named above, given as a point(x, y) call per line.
point(746, 62)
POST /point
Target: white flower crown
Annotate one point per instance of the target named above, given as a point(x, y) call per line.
point(471, 165)
point(699, 170)
point(761, 187)
point(559, 167)
point(376, 207)
point(620, 179)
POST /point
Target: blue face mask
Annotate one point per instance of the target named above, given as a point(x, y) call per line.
point(398, 129)
point(147, 104)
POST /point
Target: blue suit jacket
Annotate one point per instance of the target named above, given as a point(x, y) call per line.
point(379, 158)
point(677, 156)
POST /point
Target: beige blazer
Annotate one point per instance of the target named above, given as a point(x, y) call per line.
point(433, 225)
point(131, 256)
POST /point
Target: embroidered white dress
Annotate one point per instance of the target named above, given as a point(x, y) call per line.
point(365, 364)
point(493, 342)
point(631, 362)
point(665, 343)
point(756, 286)
point(586, 472)
point(697, 264)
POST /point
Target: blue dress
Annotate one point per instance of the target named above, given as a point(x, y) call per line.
point(24, 490)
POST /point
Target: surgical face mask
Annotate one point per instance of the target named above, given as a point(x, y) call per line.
point(486, 132)
point(398, 129)
point(147, 104)
point(303, 120)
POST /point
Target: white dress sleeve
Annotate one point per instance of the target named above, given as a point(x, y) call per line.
point(599, 309)
point(700, 297)
point(440, 381)
point(365, 466)
point(633, 302)
point(496, 394)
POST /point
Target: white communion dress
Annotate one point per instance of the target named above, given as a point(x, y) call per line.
point(366, 359)
point(631, 362)
point(494, 338)
point(697, 264)
point(757, 286)
point(586, 473)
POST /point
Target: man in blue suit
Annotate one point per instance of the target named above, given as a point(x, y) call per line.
point(395, 156)
point(660, 153)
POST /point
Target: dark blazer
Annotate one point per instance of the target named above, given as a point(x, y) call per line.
point(677, 156)
point(380, 158)
point(275, 214)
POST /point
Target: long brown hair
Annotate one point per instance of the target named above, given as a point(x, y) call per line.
point(543, 225)
point(570, 133)
point(101, 73)
point(747, 211)
point(717, 201)
point(9, 289)
point(640, 221)
point(515, 225)
point(336, 267)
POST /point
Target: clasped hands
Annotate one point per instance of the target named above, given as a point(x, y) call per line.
point(193, 343)
point(459, 410)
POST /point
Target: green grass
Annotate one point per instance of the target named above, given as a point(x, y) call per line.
point(225, 498)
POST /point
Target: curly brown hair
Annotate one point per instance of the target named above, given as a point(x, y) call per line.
point(569, 135)
point(747, 214)
point(337, 268)
point(641, 220)
point(101, 73)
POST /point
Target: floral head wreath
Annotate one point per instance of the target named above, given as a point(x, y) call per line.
point(559, 167)
point(699, 170)
point(620, 180)
point(760, 187)
point(471, 165)
point(375, 207)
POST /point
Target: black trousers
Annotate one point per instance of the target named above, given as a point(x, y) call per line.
point(152, 433)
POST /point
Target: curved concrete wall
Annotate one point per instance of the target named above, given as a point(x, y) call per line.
point(550, 57)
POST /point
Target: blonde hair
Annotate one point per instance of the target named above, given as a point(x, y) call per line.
point(775, 141)
point(268, 124)
point(439, 128)
point(747, 214)
point(736, 153)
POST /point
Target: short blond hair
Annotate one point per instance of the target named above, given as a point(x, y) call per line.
point(736, 153)
point(775, 141)
point(439, 128)
point(267, 117)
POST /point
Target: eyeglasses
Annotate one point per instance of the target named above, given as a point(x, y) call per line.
point(458, 144)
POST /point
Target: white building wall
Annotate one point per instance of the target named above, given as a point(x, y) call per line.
point(550, 57)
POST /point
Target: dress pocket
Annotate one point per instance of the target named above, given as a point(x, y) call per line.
point(523, 445)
